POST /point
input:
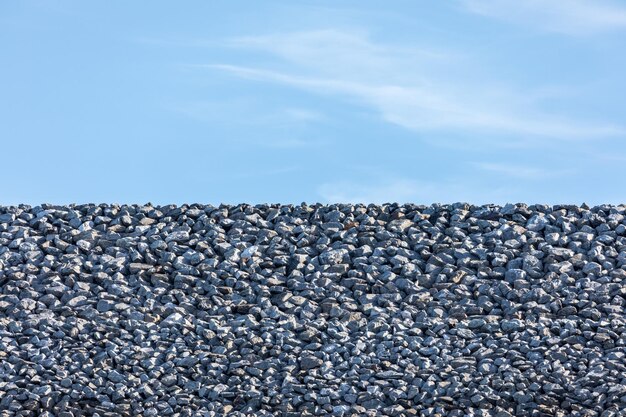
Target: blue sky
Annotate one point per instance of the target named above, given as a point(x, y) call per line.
point(483, 101)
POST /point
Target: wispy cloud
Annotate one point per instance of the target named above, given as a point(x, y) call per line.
point(284, 126)
point(349, 192)
point(401, 84)
point(403, 190)
point(517, 171)
point(303, 115)
point(572, 17)
point(256, 113)
point(264, 172)
point(607, 157)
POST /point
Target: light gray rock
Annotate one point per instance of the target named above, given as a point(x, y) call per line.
point(333, 257)
point(173, 319)
point(77, 301)
point(178, 236)
point(537, 223)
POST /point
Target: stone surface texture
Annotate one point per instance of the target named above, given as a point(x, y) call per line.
point(313, 310)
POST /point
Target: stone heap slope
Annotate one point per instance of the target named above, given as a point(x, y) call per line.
point(302, 310)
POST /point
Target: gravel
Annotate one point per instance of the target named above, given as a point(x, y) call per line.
point(339, 310)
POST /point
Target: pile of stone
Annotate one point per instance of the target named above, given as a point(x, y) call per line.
point(312, 310)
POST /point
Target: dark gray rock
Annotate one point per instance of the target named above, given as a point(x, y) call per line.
point(309, 362)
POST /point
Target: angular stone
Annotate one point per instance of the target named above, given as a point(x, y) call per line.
point(310, 362)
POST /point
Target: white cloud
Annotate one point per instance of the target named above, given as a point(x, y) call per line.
point(287, 143)
point(403, 86)
point(334, 52)
point(303, 115)
point(347, 192)
point(572, 17)
point(430, 109)
point(251, 172)
point(283, 123)
point(402, 190)
point(517, 171)
point(257, 112)
point(610, 157)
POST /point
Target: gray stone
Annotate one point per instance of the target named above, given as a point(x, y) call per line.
point(77, 301)
point(115, 376)
point(512, 325)
point(476, 323)
point(104, 305)
point(173, 319)
point(333, 257)
point(178, 236)
point(310, 362)
point(7, 218)
point(537, 223)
